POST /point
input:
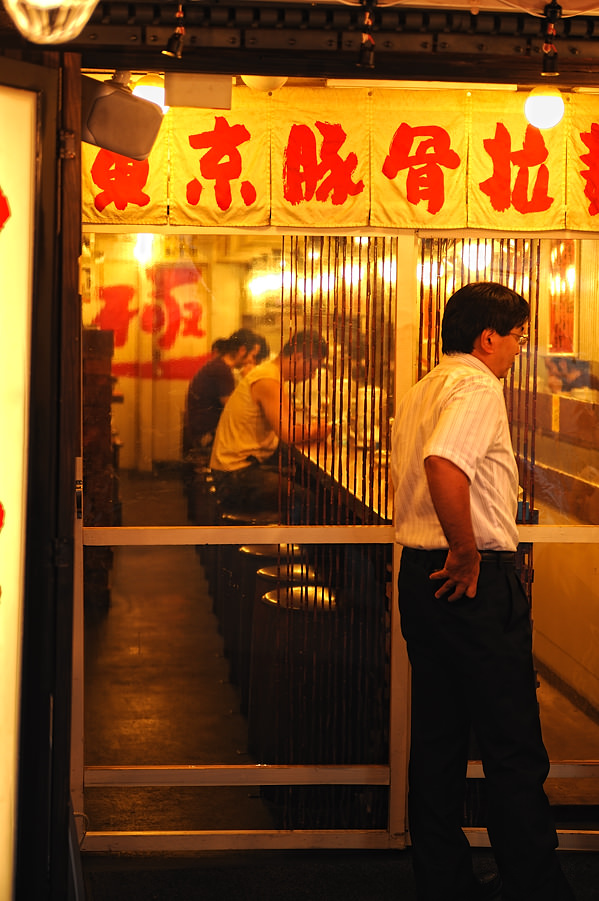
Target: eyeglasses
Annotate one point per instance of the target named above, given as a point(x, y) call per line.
point(521, 339)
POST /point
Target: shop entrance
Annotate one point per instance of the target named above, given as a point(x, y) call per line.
point(237, 666)
point(215, 716)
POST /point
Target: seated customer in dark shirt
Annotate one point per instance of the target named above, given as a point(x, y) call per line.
point(212, 386)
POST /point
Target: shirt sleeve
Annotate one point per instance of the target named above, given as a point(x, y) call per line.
point(467, 425)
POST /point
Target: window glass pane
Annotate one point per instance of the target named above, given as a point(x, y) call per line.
point(241, 655)
point(551, 397)
point(157, 308)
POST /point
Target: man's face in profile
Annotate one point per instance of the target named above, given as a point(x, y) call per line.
point(245, 356)
point(304, 368)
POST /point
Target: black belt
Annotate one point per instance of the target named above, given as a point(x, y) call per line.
point(506, 558)
point(500, 558)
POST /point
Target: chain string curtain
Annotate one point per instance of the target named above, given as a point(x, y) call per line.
point(328, 637)
point(446, 264)
point(343, 288)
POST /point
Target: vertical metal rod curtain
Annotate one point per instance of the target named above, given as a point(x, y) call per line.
point(445, 264)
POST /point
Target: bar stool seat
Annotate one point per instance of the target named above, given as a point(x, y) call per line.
point(293, 675)
point(223, 582)
point(250, 558)
point(201, 496)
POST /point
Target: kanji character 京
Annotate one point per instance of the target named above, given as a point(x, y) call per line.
point(222, 163)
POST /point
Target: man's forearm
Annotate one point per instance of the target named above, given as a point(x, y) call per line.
point(450, 493)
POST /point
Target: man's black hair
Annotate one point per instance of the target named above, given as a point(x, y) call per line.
point(243, 337)
point(310, 344)
point(478, 306)
point(263, 348)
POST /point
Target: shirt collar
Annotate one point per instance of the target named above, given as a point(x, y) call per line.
point(468, 360)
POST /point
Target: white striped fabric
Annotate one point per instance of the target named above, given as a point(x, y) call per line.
point(457, 412)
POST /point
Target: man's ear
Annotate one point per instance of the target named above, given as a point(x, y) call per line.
point(486, 339)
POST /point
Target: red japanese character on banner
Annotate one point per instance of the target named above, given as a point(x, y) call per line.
point(499, 186)
point(591, 175)
point(425, 179)
point(222, 163)
point(115, 314)
point(4, 209)
point(304, 177)
point(121, 180)
point(164, 315)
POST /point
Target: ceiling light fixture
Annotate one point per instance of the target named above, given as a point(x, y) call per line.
point(151, 87)
point(544, 107)
point(552, 13)
point(267, 83)
point(50, 21)
point(174, 45)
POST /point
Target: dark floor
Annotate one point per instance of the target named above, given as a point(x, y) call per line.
point(158, 692)
point(292, 876)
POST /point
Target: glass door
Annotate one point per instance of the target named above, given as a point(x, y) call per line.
point(552, 396)
point(237, 663)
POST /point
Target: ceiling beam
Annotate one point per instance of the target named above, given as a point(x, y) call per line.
point(322, 40)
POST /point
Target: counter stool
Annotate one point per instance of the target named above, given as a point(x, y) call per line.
point(201, 511)
point(201, 496)
point(251, 559)
point(224, 586)
point(293, 675)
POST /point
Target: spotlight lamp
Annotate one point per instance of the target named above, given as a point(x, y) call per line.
point(174, 45)
point(366, 59)
point(552, 13)
point(50, 21)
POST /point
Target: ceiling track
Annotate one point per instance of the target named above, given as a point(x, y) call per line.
point(323, 40)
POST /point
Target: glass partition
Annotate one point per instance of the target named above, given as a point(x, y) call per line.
point(552, 400)
point(155, 310)
point(236, 654)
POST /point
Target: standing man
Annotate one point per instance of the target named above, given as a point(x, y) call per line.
point(465, 616)
point(258, 415)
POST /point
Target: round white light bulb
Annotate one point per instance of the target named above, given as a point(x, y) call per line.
point(151, 87)
point(544, 107)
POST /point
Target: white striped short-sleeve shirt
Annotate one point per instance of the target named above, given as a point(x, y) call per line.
point(457, 411)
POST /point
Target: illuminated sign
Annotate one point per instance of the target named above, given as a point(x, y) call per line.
point(333, 158)
point(17, 167)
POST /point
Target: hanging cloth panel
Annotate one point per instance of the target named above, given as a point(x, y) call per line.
point(220, 163)
point(117, 190)
point(516, 177)
point(419, 159)
point(320, 158)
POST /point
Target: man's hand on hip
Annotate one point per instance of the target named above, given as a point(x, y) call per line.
point(460, 575)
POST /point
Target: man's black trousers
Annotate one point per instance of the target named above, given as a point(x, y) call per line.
point(472, 669)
